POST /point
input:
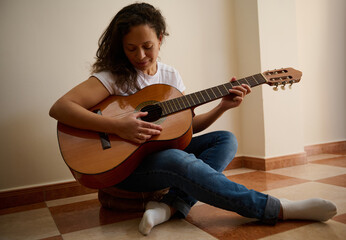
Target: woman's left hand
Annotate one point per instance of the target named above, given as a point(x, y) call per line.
point(236, 96)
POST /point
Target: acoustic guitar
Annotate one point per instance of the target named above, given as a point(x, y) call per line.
point(99, 160)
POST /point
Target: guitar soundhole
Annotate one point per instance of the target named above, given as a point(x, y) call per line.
point(154, 113)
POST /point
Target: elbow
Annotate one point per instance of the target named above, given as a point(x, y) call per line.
point(54, 110)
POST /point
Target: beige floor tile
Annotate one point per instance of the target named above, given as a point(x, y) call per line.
point(310, 171)
point(69, 200)
point(307, 190)
point(33, 224)
point(174, 229)
point(237, 171)
point(316, 231)
point(321, 156)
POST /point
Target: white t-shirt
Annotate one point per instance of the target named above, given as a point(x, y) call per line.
point(164, 75)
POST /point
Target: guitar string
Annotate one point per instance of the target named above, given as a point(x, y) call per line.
point(182, 98)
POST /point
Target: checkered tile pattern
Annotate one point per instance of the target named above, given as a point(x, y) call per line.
point(83, 217)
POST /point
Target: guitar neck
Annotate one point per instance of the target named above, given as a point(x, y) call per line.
point(198, 98)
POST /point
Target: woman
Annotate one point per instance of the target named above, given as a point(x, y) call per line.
point(127, 62)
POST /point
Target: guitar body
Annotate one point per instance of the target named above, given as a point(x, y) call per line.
point(96, 167)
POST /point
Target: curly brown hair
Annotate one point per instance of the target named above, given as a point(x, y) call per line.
point(110, 55)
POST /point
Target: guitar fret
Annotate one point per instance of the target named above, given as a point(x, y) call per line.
point(250, 81)
point(178, 103)
point(219, 91)
point(224, 85)
point(169, 106)
point(202, 96)
point(166, 107)
point(164, 110)
point(188, 102)
point(205, 94)
point(191, 100)
point(185, 101)
point(174, 106)
point(182, 101)
point(194, 96)
point(212, 90)
point(247, 82)
point(225, 91)
point(254, 79)
point(242, 81)
point(260, 78)
point(236, 83)
point(208, 94)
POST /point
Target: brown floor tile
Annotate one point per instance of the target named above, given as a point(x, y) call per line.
point(53, 238)
point(262, 181)
point(338, 180)
point(337, 162)
point(87, 214)
point(341, 152)
point(228, 225)
point(22, 208)
point(340, 218)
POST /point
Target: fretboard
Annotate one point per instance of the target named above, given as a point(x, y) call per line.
point(198, 98)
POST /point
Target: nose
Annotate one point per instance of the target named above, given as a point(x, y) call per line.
point(140, 53)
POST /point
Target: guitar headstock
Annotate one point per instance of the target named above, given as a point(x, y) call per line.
point(282, 77)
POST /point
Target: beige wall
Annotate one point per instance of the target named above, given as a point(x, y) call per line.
point(322, 58)
point(47, 46)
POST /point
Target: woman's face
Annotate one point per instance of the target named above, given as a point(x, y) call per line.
point(141, 47)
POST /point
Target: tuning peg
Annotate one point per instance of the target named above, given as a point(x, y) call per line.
point(283, 85)
point(276, 87)
point(291, 83)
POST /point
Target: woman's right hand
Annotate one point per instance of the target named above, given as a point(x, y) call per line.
point(72, 109)
point(132, 128)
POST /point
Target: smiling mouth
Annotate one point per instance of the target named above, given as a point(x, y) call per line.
point(142, 64)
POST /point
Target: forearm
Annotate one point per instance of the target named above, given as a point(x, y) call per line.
point(129, 126)
point(203, 121)
point(234, 99)
point(74, 115)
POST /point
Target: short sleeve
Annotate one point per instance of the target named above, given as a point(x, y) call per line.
point(107, 79)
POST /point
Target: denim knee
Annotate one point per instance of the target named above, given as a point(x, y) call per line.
point(173, 160)
point(230, 138)
point(228, 145)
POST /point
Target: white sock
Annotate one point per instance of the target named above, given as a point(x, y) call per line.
point(316, 209)
point(154, 214)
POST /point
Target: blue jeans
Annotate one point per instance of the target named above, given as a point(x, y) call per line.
point(195, 173)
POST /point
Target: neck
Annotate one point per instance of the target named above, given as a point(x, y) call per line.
point(151, 71)
point(208, 95)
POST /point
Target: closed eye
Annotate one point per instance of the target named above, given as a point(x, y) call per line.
point(148, 47)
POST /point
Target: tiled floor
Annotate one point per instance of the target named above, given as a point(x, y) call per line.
point(83, 218)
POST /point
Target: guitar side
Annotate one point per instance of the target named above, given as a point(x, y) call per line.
point(96, 167)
